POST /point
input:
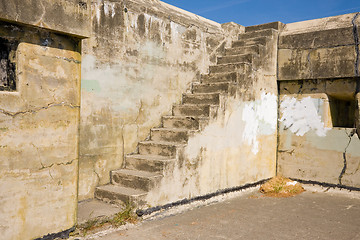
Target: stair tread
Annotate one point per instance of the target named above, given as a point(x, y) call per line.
point(197, 104)
point(200, 94)
point(262, 40)
point(211, 83)
point(163, 143)
point(173, 129)
point(247, 46)
point(219, 74)
point(118, 189)
point(152, 157)
point(186, 117)
point(260, 30)
point(263, 31)
point(238, 55)
point(137, 173)
point(250, 48)
point(253, 38)
point(227, 64)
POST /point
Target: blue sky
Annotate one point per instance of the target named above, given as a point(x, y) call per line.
point(253, 12)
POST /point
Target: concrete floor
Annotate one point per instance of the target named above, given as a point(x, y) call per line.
point(310, 215)
point(95, 209)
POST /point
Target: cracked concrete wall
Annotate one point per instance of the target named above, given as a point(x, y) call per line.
point(310, 147)
point(39, 124)
point(142, 55)
point(318, 65)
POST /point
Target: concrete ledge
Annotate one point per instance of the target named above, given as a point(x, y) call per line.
point(65, 16)
point(274, 25)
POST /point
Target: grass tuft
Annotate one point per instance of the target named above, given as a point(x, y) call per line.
point(127, 215)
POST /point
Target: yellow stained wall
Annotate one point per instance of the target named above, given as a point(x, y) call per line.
point(39, 125)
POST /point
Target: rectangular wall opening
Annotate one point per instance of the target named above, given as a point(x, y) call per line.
point(342, 112)
point(7, 65)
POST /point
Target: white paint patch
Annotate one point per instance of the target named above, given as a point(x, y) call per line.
point(259, 116)
point(301, 116)
point(243, 123)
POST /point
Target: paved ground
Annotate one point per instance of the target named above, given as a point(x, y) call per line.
point(310, 215)
point(95, 209)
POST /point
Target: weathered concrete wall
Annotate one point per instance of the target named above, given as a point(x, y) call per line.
point(318, 106)
point(320, 48)
point(39, 124)
point(142, 55)
point(66, 16)
point(238, 146)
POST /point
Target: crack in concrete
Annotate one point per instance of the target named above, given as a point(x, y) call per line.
point(31, 111)
point(39, 155)
point(288, 151)
point(50, 174)
point(123, 147)
point(356, 40)
point(97, 175)
point(57, 164)
point(350, 135)
point(357, 169)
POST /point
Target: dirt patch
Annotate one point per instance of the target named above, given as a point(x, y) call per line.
point(281, 187)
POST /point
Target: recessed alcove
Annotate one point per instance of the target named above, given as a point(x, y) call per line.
point(7, 65)
point(342, 112)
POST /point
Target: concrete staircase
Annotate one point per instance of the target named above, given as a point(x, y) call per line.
point(143, 171)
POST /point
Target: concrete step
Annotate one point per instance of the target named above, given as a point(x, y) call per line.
point(195, 110)
point(136, 179)
point(220, 77)
point(221, 87)
point(201, 98)
point(259, 33)
point(150, 163)
point(246, 58)
point(120, 195)
point(250, 41)
point(159, 148)
point(193, 123)
point(230, 67)
point(274, 25)
point(253, 49)
point(170, 134)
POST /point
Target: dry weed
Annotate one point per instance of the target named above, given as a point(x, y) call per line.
point(281, 187)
